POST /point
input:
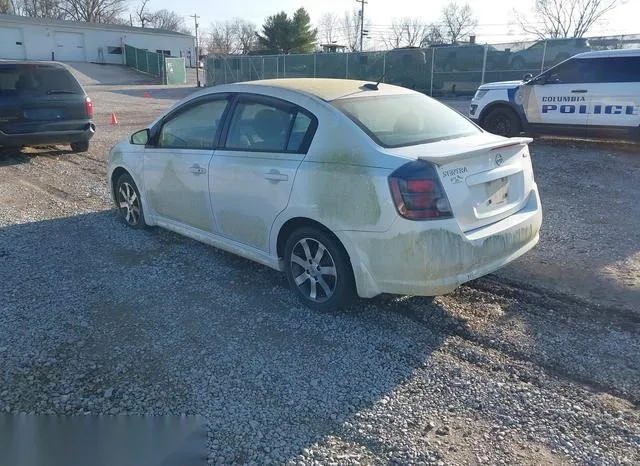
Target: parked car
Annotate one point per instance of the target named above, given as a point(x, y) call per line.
point(552, 51)
point(594, 94)
point(347, 187)
point(43, 103)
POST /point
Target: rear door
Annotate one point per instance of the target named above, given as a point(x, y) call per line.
point(252, 175)
point(40, 98)
point(615, 97)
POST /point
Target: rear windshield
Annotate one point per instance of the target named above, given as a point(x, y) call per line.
point(406, 119)
point(37, 80)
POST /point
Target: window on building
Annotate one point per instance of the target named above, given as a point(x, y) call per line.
point(114, 50)
point(164, 52)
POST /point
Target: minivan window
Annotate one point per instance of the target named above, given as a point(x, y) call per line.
point(405, 120)
point(16, 79)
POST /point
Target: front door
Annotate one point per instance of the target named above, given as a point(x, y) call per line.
point(252, 175)
point(176, 179)
point(561, 99)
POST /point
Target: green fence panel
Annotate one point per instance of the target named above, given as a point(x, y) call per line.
point(154, 61)
point(130, 55)
point(141, 60)
point(175, 71)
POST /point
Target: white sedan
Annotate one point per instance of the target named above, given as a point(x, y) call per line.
point(347, 187)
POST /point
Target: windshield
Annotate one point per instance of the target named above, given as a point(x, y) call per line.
point(405, 120)
point(16, 79)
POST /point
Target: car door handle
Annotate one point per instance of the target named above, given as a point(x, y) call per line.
point(275, 175)
point(197, 169)
point(579, 91)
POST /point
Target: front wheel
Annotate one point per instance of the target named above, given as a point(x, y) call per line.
point(318, 270)
point(129, 202)
point(503, 122)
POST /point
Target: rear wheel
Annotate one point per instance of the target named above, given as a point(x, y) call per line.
point(82, 146)
point(318, 270)
point(129, 202)
point(503, 121)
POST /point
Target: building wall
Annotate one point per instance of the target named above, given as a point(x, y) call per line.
point(40, 40)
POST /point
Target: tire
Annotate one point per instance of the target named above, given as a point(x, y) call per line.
point(502, 121)
point(82, 146)
point(326, 284)
point(129, 202)
point(517, 63)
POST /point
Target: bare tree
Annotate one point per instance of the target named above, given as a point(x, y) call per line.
point(414, 31)
point(326, 27)
point(564, 18)
point(350, 26)
point(458, 21)
point(6, 7)
point(222, 38)
point(49, 9)
point(394, 38)
point(245, 35)
point(93, 11)
point(167, 20)
point(433, 35)
point(142, 14)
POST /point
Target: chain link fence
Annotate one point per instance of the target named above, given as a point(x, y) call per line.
point(170, 70)
point(438, 71)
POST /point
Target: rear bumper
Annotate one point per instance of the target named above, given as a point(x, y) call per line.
point(434, 258)
point(48, 137)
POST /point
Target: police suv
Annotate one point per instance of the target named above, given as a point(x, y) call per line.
point(592, 94)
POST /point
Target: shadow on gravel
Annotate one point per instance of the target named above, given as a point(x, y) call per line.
point(104, 319)
point(590, 238)
point(19, 156)
point(173, 93)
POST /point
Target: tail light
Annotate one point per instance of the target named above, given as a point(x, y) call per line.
point(88, 107)
point(417, 192)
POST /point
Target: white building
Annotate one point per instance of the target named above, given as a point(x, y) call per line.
point(44, 39)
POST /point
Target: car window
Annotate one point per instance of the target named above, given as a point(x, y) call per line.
point(616, 69)
point(404, 120)
point(568, 72)
point(37, 80)
point(300, 128)
point(193, 128)
point(259, 126)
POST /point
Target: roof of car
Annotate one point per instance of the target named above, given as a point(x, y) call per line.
point(610, 53)
point(326, 88)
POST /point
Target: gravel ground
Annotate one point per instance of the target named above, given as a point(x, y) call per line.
point(539, 363)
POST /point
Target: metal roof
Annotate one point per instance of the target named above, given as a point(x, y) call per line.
point(82, 24)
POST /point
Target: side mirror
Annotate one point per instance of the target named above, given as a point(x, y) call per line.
point(140, 138)
point(527, 77)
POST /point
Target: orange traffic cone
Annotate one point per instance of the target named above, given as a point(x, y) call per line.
point(114, 120)
point(146, 95)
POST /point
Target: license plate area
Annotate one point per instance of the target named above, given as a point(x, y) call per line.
point(496, 195)
point(43, 114)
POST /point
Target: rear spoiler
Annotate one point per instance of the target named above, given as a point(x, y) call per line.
point(453, 156)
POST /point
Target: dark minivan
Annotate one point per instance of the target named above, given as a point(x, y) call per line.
point(43, 103)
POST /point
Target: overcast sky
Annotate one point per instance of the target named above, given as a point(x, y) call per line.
point(495, 17)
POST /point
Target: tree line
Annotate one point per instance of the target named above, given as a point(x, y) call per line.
point(97, 11)
point(281, 33)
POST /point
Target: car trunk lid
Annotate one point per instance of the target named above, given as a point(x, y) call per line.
point(486, 178)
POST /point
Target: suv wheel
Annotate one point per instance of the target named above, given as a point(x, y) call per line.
point(502, 121)
point(318, 270)
point(82, 146)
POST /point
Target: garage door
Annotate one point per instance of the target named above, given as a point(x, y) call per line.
point(69, 46)
point(12, 46)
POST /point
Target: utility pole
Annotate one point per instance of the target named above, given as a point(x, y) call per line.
point(195, 19)
point(362, 3)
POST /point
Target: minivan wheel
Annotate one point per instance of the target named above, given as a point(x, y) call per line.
point(82, 146)
point(129, 202)
point(318, 270)
point(503, 122)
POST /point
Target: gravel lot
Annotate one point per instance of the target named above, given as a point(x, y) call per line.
point(538, 363)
